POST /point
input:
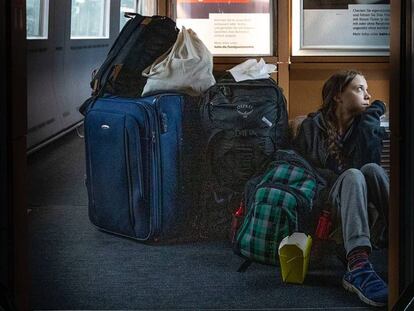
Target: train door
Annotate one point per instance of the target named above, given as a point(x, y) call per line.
point(66, 41)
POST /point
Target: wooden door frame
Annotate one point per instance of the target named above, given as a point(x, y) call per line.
point(394, 202)
point(15, 119)
point(401, 254)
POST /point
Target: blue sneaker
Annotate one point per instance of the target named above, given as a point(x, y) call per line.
point(366, 283)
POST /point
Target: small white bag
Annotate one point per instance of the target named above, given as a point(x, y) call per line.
point(187, 68)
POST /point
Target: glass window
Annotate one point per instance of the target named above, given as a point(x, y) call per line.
point(229, 27)
point(89, 19)
point(340, 27)
point(37, 13)
point(126, 6)
point(147, 7)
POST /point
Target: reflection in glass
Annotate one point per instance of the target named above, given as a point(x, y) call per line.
point(36, 19)
point(89, 19)
point(126, 6)
point(147, 7)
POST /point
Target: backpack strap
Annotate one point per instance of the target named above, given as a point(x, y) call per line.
point(244, 266)
point(88, 104)
point(226, 197)
point(225, 194)
point(222, 192)
point(220, 195)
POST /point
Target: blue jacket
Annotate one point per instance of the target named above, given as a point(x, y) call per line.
point(362, 143)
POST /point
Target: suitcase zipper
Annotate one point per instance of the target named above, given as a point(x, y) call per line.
point(141, 175)
point(155, 134)
point(155, 219)
point(129, 178)
point(149, 123)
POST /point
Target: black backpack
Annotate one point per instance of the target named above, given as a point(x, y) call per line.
point(142, 40)
point(245, 122)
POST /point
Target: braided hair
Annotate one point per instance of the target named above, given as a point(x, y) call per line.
point(334, 86)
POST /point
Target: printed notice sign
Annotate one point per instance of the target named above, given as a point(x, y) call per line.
point(240, 34)
point(345, 25)
point(235, 27)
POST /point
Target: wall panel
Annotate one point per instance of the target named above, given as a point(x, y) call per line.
point(306, 81)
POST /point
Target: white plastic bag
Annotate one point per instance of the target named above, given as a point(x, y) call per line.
point(252, 69)
point(187, 68)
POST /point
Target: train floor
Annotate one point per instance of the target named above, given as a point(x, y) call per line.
point(75, 266)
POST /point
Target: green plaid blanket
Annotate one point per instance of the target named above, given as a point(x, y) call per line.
point(273, 212)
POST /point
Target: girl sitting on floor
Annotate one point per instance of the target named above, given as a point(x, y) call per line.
point(343, 140)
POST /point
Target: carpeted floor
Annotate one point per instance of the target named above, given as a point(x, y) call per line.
point(75, 266)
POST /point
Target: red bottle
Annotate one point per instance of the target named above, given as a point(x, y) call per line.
point(236, 222)
point(324, 225)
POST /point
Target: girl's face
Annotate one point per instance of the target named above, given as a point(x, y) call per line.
point(355, 97)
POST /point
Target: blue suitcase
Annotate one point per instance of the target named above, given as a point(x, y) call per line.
point(134, 165)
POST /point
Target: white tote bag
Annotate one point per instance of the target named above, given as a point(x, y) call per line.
point(187, 68)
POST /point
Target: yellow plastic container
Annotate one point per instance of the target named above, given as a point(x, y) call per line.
point(294, 252)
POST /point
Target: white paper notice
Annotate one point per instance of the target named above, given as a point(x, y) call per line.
point(240, 34)
point(233, 34)
point(361, 26)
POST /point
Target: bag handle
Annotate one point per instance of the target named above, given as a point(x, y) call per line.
point(130, 14)
point(179, 41)
point(189, 38)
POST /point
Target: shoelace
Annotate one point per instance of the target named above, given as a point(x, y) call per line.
point(370, 280)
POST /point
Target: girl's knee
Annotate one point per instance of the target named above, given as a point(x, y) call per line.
point(353, 175)
point(372, 169)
